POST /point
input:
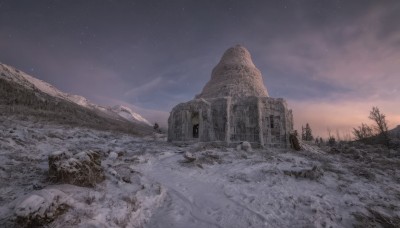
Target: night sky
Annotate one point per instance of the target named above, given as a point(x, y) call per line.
point(331, 60)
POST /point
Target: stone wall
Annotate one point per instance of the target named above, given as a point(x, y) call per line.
point(184, 118)
point(262, 121)
point(219, 114)
point(276, 122)
point(244, 124)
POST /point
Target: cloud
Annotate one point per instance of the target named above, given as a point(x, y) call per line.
point(333, 76)
point(145, 88)
point(354, 59)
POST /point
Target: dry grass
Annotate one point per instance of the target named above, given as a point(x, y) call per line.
point(376, 219)
point(69, 169)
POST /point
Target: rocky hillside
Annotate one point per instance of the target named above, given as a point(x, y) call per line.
point(21, 94)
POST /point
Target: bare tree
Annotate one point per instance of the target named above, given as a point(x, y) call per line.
point(338, 135)
point(363, 132)
point(379, 119)
point(347, 136)
point(331, 138)
point(381, 124)
point(329, 132)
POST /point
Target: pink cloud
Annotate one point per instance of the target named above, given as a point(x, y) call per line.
point(341, 115)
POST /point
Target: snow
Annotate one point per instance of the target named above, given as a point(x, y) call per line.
point(125, 198)
point(82, 101)
point(150, 183)
point(28, 81)
point(30, 205)
point(130, 115)
point(43, 203)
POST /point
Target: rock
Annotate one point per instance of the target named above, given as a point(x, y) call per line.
point(246, 146)
point(113, 155)
point(189, 157)
point(82, 169)
point(312, 174)
point(41, 208)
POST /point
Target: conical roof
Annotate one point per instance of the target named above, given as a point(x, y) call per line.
point(235, 75)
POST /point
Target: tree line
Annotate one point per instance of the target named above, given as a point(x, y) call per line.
point(376, 133)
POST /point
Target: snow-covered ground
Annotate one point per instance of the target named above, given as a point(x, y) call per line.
point(149, 183)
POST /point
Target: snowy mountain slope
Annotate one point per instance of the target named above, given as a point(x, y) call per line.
point(128, 114)
point(29, 82)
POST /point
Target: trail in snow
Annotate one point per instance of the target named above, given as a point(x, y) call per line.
point(196, 202)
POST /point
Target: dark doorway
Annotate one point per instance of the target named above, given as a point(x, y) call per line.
point(271, 121)
point(195, 124)
point(195, 131)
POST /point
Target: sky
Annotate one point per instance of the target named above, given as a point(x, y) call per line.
point(331, 60)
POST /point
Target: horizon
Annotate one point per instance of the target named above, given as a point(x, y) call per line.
point(331, 60)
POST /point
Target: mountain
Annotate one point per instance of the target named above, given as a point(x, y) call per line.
point(31, 82)
point(129, 115)
point(395, 132)
point(20, 92)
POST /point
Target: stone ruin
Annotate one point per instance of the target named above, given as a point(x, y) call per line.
point(233, 107)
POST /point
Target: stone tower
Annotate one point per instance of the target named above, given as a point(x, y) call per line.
point(233, 106)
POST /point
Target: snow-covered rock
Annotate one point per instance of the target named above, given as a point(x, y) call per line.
point(41, 207)
point(113, 155)
point(246, 146)
point(189, 157)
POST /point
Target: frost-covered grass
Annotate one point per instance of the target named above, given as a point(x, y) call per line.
point(149, 183)
point(125, 198)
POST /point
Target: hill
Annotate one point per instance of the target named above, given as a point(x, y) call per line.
point(22, 94)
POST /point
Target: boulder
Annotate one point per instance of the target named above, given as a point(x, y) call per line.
point(246, 146)
point(189, 157)
point(41, 208)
